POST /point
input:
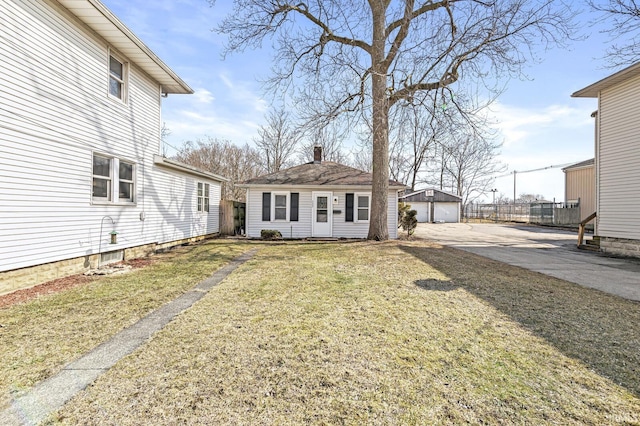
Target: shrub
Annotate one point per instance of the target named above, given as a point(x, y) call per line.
point(270, 234)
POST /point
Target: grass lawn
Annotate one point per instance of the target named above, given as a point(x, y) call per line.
point(371, 333)
point(38, 337)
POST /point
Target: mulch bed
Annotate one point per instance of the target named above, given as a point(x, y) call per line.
point(60, 284)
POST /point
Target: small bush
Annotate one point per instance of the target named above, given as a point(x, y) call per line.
point(270, 234)
point(407, 218)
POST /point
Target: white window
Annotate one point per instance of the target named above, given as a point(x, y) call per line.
point(280, 206)
point(203, 197)
point(113, 180)
point(362, 206)
point(102, 178)
point(117, 78)
point(125, 181)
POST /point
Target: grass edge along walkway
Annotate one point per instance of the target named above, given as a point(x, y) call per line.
point(51, 394)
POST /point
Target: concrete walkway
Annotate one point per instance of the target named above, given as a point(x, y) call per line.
point(50, 395)
point(549, 251)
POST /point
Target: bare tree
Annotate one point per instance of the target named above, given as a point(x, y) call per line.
point(164, 134)
point(413, 132)
point(529, 198)
point(357, 56)
point(223, 158)
point(277, 140)
point(330, 138)
point(622, 18)
point(471, 164)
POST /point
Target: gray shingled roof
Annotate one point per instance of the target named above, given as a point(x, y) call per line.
point(326, 173)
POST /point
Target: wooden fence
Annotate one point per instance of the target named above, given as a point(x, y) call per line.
point(232, 214)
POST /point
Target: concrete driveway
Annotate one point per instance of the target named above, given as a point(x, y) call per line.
point(549, 251)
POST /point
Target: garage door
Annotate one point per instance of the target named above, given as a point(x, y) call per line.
point(423, 211)
point(446, 212)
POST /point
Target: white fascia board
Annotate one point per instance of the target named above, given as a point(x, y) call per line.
point(176, 165)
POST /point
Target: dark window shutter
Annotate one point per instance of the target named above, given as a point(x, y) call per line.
point(266, 206)
point(348, 217)
point(293, 214)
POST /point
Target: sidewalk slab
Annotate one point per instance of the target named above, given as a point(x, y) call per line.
point(50, 395)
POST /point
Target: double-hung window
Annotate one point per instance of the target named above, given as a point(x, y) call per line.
point(362, 204)
point(102, 169)
point(203, 197)
point(125, 181)
point(113, 180)
point(280, 206)
point(117, 78)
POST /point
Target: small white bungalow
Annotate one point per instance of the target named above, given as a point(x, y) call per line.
point(434, 205)
point(617, 160)
point(80, 119)
point(316, 199)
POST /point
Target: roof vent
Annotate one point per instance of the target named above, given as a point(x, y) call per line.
point(317, 154)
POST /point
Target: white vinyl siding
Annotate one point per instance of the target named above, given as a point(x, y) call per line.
point(619, 161)
point(302, 228)
point(54, 114)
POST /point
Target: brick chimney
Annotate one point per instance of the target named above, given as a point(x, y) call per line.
point(317, 154)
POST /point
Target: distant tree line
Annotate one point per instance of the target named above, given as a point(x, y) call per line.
point(430, 146)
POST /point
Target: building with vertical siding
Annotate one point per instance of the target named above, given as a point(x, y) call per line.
point(617, 160)
point(580, 186)
point(83, 181)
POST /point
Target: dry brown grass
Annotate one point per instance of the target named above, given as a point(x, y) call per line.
point(39, 336)
point(380, 333)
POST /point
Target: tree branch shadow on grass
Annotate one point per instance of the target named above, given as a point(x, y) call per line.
point(436, 285)
point(600, 330)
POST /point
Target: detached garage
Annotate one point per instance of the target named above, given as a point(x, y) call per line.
point(433, 205)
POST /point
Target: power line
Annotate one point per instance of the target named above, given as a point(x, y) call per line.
point(535, 170)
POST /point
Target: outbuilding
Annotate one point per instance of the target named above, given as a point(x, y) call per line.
point(434, 205)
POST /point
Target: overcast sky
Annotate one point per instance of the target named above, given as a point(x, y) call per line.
point(540, 124)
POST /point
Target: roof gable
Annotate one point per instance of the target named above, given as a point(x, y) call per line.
point(430, 195)
point(103, 22)
point(324, 173)
point(593, 90)
point(585, 163)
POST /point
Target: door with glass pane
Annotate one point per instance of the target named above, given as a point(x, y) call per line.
point(322, 214)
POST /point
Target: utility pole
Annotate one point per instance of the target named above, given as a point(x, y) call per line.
point(514, 187)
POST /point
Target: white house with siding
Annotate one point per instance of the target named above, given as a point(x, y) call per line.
point(617, 160)
point(320, 199)
point(80, 120)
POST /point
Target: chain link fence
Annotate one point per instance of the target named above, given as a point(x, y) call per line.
point(540, 213)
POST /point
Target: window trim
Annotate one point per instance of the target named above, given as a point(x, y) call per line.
point(114, 182)
point(124, 81)
point(287, 206)
point(109, 179)
point(203, 203)
point(356, 207)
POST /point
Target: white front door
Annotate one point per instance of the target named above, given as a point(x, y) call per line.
point(322, 214)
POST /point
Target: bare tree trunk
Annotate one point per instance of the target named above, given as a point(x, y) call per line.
point(380, 190)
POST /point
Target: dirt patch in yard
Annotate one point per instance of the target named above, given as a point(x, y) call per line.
point(60, 284)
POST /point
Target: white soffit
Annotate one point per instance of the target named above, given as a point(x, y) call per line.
point(100, 19)
point(593, 90)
